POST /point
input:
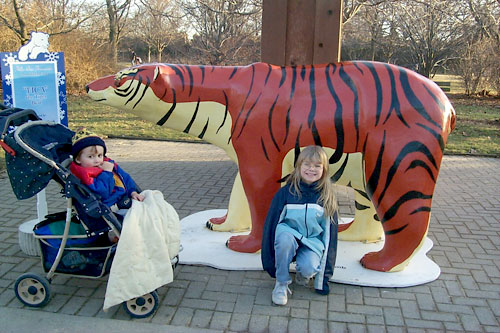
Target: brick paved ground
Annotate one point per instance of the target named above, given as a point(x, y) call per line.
point(465, 229)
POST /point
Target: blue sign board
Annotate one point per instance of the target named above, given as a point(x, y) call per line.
point(38, 84)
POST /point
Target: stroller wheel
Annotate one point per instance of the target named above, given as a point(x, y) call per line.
point(143, 306)
point(32, 290)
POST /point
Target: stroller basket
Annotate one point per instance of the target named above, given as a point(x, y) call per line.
point(85, 254)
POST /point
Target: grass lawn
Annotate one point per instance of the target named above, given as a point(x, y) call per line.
point(477, 130)
point(113, 123)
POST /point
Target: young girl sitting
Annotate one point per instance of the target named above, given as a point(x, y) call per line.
point(302, 223)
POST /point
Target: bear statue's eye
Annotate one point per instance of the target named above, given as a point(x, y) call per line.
point(118, 78)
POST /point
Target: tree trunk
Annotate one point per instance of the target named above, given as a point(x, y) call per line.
point(113, 31)
point(159, 49)
point(23, 36)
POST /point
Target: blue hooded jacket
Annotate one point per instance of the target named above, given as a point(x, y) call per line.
point(304, 218)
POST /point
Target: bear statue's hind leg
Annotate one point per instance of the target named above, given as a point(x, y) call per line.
point(365, 227)
point(399, 248)
point(349, 171)
point(402, 187)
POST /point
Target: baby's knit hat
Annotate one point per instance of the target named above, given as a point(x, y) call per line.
point(84, 138)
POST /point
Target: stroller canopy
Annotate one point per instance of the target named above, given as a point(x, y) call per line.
point(29, 174)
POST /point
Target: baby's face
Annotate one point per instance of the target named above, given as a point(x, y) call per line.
point(91, 156)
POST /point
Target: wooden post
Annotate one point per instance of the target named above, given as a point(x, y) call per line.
point(300, 32)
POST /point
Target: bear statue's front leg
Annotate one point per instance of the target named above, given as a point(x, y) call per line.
point(258, 209)
point(260, 183)
point(237, 217)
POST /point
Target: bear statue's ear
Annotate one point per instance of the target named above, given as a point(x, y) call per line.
point(157, 72)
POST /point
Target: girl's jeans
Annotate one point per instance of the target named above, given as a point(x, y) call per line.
point(286, 248)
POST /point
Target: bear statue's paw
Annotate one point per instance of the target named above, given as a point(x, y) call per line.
point(345, 226)
point(244, 243)
point(380, 261)
point(217, 220)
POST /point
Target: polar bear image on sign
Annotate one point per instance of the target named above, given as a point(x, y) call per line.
point(38, 43)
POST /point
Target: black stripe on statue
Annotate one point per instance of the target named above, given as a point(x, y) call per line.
point(371, 185)
point(178, 72)
point(270, 123)
point(167, 115)
point(339, 127)
point(202, 134)
point(226, 111)
point(264, 149)
point(188, 127)
point(143, 93)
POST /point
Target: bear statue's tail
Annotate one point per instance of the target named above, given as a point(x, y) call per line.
point(452, 117)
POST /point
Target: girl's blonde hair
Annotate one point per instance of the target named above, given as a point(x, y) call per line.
point(315, 154)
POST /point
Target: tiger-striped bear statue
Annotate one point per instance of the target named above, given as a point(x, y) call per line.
point(385, 128)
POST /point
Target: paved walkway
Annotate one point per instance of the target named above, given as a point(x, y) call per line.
point(465, 229)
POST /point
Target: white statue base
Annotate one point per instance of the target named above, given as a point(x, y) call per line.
point(27, 241)
point(201, 246)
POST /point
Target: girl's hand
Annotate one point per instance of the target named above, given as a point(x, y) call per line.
point(137, 196)
point(107, 166)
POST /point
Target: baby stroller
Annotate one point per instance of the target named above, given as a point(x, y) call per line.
point(74, 242)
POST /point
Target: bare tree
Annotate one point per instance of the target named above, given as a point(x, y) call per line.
point(51, 16)
point(118, 12)
point(225, 30)
point(352, 7)
point(430, 31)
point(158, 25)
point(486, 14)
point(368, 30)
point(471, 66)
point(427, 35)
point(479, 60)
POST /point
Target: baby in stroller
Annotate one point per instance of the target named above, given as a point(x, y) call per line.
point(71, 242)
point(102, 175)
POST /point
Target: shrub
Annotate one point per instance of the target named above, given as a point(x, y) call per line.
point(85, 60)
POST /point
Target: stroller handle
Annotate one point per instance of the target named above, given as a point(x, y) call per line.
point(27, 147)
point(14, 117)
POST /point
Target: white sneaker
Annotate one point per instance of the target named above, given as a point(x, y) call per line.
point(280, 296)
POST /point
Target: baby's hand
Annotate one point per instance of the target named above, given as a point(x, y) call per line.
point(107, 166)
point(137, 196)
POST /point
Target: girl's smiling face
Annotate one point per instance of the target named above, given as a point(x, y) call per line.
point(311, 171)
